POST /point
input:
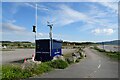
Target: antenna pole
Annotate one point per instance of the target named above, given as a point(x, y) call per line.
point(50, 34)
point(36, 21)
point(35, 26)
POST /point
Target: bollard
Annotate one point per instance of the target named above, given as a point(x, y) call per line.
point(32, 57)
point(25, 60)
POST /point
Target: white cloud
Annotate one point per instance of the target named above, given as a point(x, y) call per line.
point(113, 6)
point(66, 15)
point(12, 27)
point(103, 31)
point(39, 7)
point(60, 0)
point(42, 35)
point(99, 18)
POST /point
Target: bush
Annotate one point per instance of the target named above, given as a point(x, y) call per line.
point(59, 64)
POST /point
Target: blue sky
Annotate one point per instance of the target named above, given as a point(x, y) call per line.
point(72, 21)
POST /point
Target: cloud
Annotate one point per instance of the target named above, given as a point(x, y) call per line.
point(46, 35)
point(65, 15)
point(113, 6)
point(39, 7)
point(61, 0)
point(42, 35)
point(99, 18)
point(94, 17)
point(12, 27)
point(103, 31)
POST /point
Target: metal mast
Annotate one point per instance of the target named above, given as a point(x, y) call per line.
point(35, 26)
point(36, 22)
point(50, 35)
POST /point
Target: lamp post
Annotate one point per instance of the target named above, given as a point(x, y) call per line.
point(50, 35)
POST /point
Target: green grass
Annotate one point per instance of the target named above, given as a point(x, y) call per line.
point(13, 72)
point(113, 55)
point(59, 64)
point(16, 72)
point(0, 72)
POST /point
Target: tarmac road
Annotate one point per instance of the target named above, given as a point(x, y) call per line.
point(19, 54)
point(95, 65)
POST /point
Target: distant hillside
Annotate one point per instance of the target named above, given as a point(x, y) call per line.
point(115, 42)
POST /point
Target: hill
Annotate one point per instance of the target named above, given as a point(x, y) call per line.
point(115, 42)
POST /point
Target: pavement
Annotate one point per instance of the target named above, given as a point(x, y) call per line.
point(95, 65)
point(18, 55)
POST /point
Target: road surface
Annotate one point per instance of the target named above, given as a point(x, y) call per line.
point(19, 54)
point(95, 65)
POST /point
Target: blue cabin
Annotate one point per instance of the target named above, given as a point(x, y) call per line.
point(43, 49)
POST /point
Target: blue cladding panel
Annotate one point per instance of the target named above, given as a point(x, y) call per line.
point(56, 49)
point(56, 52)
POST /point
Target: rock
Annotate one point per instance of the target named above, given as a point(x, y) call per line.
point(59, 57)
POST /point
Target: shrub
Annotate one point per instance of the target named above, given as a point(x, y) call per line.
point(59, 64)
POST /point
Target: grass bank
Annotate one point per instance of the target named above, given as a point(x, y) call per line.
point(112, 55)
point(15, 72)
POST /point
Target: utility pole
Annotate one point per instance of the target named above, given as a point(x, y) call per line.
point(50, 35)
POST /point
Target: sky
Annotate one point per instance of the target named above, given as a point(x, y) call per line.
point(72, 21)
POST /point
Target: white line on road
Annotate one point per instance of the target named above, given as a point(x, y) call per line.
point(99, 66)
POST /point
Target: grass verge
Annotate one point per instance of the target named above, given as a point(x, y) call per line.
point(113, 55)
point(15, 72)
